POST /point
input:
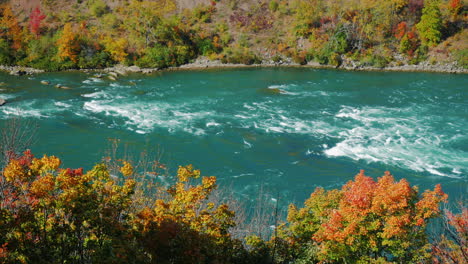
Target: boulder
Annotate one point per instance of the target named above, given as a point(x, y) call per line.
point(45, 82)
point(17, 72)
point(2, 101)
point(134, 68)
point(62, 87)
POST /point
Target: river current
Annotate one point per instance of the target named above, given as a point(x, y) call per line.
point(284, 130)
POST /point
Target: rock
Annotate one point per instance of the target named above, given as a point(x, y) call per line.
point(134, 68)
point(113, 74)
point(17, 72)
point(121, 72)
point(59, 86)
point(2, 84)
point(45, 82)
point(2, 101)
point(112, 78)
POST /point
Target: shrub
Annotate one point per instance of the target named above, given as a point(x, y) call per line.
point(5, 51)
point(273, 5)
point(367, 221)
point(462, 58)
point(240, 55)
point(161, 56)
point(98, 8)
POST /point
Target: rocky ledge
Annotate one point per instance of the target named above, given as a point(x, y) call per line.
point(18, 70)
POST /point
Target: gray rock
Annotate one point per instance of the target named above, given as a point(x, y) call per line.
point(134, 68)
point(17, 72)
point(2, 101)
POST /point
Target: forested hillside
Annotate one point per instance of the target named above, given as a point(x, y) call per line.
point(55, 35)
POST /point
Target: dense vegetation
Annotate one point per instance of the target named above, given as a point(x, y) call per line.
point(97, 33)
point(118, 213)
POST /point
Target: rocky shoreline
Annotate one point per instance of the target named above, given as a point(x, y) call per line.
point(19, 70)
point(204, 63)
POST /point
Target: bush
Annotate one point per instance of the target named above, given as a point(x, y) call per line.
point(96, 60)
point(98, 8)
point(462, 58)
point(156, 57)
point(161, 56)
point(299, 57)
point(5, 51)
point(240, 55)
point(273, 5)
point(367, 221)
point(206, 47)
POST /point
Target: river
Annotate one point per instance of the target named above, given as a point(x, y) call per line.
point(283, 130)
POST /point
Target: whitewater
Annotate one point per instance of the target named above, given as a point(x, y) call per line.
point(290, 130)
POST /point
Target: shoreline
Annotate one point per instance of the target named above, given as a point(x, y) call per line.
point(203, 63)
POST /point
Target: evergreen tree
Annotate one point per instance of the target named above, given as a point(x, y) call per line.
point(430, 26)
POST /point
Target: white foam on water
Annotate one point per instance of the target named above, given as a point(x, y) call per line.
point(97, 95)
point(93, 80)
point(397, 136)
point(284, 88)
point(278, 86)
point(247, 144)
point(62, 104)
point(21, 112)
point(118, 85)
point(8, 96)
point(212, 124)
point(32, 108)
point(144, 117)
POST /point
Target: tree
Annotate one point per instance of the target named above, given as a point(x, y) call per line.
point(430, 26)
point(35, 20)
point(68, 44)
point(365, 221)
point(62, 215)
point(116, 47)
point(54, 215)
point(143, 17)
point(9, 27)
point(452, 246)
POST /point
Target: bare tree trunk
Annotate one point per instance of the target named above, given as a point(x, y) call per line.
point(15, 137)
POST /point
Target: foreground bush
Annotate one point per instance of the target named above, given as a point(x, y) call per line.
point(366, 221)
point(52, 215)
point(112, 214)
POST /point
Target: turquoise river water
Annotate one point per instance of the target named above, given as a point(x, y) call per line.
point(286, 130)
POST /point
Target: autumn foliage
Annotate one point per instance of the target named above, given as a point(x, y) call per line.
point(365, 221)
point(68, 45)
point(164, 33)
point(54, 215)
point(10, 29)
point(35, 20)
